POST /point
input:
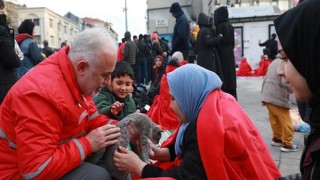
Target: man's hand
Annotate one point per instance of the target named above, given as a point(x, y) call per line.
point(103, 136)
point(164, 54)
point(116, 108)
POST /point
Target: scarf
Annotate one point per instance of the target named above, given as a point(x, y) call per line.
point(298, 31)
point(21, 37)
point(190, 85)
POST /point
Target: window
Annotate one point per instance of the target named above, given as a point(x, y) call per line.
point(51, 23)
point(65, 29)
point(52, 40)
point(35, 21)
point(37, 39)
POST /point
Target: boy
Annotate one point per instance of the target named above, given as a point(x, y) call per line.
point(275, 95)
point(114, 100)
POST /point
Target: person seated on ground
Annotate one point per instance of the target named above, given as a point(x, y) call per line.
point(275, 96)
point(49, 125)
point(244, 68)
point(160, 111)
point(114, 100)
point(158, 71)
point(298, 32)
point(178, 56)
point(263, 66)
point(213, 142)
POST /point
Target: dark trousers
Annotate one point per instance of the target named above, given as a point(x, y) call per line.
point(89, 170)
point(142, 71)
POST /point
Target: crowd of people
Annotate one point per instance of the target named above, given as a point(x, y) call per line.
point(85, 89)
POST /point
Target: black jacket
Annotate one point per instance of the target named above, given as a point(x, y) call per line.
point(207, 40)
point(9, 60)
point(225, 48)
point(190, 168)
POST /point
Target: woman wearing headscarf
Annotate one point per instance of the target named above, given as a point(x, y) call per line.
point(29, 48)
point(225, 50)
point(207, 41)
point(160, 111)
point(9, 60)
point(212, 142)
point(298, 31)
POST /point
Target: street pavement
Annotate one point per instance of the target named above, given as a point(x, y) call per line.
point(249, 96)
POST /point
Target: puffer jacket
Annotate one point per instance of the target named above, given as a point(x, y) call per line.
point(274, 89)
point(31, 52)
point(44, 120)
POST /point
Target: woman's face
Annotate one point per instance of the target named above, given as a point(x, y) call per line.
point(158, 62)
point(296, 81)
point(176, 108)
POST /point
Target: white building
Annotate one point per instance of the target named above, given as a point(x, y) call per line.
point(49, 26)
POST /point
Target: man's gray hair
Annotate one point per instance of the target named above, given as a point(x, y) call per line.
point(89, 43)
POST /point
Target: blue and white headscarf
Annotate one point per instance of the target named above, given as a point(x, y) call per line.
point(190, 85)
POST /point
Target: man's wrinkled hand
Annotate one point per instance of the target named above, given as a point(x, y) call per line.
point(103, 136)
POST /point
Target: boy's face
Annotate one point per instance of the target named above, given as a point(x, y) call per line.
point(122, 86)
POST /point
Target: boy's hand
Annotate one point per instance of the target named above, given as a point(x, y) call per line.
point(116, 108)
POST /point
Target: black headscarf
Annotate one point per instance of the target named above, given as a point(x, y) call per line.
point(298, 31)
point(26, 27)
point(221, 14)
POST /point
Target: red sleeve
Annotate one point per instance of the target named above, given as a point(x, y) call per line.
point(38, 132)
point(238, 149)
point(95, 118)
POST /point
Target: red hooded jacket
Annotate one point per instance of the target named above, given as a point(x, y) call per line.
point(231, 147)
point(160, 111)
point(44, 120)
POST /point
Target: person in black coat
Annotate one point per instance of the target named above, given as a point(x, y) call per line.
point(225, 50)
point(271, 47)
point(207, 40)
point(180, 40)
point(9, 60)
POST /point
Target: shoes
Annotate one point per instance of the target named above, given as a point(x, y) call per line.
point(276, 142)
point(292, 148)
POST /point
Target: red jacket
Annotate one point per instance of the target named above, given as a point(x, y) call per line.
point(230, 145)
point(44, 119)
point(244, 68)
point(160, 112)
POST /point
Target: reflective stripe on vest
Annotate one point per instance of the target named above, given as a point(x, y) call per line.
point(81, 149)
point(11, 144)
point(76, 136)
point(94, 115)
point(38, 171)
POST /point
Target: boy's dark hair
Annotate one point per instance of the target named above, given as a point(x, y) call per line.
point(122, 68)
point(173, 63)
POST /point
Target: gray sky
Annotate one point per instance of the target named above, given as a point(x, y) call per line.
point(106, 10)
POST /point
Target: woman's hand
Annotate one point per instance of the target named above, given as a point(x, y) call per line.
point(128, 161)
point(159, 154)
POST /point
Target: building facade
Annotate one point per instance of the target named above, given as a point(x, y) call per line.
point(49, 26)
